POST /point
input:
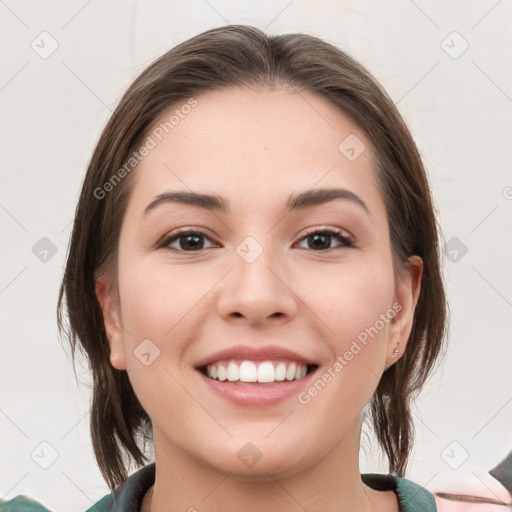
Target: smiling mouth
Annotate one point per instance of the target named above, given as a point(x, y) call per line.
point(261, 372)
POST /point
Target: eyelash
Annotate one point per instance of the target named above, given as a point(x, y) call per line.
point(338, 234)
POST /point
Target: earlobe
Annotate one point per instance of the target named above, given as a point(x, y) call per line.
point(407, 293)
point(112, 321)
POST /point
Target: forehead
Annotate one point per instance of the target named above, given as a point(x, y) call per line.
point(255, 142)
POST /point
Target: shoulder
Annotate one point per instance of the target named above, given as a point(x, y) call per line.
point(411, 496)
point(22, 504)
point(126, 498)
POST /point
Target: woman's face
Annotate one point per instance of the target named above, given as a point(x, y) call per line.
point(261, 289)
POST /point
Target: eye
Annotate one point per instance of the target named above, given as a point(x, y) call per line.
point(187, 241)
point(320, 240)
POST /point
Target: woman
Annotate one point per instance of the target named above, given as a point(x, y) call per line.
point(254, 268)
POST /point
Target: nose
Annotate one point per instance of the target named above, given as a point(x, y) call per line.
point(257, 292)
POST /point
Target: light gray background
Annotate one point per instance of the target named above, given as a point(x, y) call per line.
point(53, 109)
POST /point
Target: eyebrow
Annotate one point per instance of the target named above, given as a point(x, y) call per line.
point(213, 202)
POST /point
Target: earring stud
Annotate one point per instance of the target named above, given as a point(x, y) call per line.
point(395, 353)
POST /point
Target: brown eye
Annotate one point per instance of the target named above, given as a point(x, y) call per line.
point(187, 241)
point(321, 240)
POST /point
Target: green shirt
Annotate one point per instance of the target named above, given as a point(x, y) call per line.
point(128, 496)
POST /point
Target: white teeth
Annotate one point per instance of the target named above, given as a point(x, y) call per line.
point(249, 371)
point(266, 372)
point(221, 373)
point(280, 373)
point(290, 372)
point(233, 373)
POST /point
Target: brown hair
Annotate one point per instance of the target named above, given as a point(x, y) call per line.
point(230, 56)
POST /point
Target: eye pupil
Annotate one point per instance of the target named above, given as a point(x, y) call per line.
point(196, 241)
point(319, 237)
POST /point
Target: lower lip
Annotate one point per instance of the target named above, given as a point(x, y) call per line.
point(251, 394)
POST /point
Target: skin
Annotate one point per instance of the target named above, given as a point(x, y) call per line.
point(255, 147)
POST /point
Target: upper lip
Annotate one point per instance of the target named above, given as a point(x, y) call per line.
point(246, 352)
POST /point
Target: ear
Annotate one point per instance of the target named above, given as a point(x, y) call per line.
point(109, 304)
point(407, 292)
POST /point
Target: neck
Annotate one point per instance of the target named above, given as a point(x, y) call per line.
point(333, 484)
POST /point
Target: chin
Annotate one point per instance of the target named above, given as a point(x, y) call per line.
point(261, 461)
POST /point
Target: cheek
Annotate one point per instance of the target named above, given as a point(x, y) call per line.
point(156, 308)
point(355, 309)
point(354, 303)
point(154, 298)
point(349, 298)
